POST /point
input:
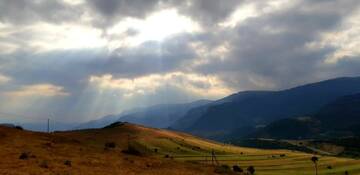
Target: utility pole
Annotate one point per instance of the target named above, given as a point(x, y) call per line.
point(128, 141)
point(213, 158)
point(48, 125)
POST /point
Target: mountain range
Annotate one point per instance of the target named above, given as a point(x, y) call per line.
point(302, 111)
point(259, 108)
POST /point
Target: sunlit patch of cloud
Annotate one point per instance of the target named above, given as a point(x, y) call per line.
point(199, 85)
point(74, 2)
point(37, 90)
point(254, 9)
point(66, 37)
point(156, 27)
point(4, 79)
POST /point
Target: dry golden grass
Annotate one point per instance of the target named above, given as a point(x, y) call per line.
point(85, 150)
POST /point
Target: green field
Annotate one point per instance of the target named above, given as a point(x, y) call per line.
point(266, 162)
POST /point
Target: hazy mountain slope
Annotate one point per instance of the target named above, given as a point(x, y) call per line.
point(264, 107)
point(99, 123)
point(161, 116)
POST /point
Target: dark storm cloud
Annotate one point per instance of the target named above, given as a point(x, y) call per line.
point(112, 8)
point(209, 12)
point(280, 57)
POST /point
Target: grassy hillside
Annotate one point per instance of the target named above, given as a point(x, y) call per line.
point(133, 149)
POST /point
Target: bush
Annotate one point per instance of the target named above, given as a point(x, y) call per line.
point(67, 163)
point(44, 164)
point(237, 169)
point(19, 127)
point(24, 156)
point(132, 150)
point(110, 145)
point(251, 169)
point(223, 169)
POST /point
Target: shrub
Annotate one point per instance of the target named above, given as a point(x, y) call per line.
point(110, 145)
point(24, 156)
point(44, 164)
point(19, 127)
point(67, 162)
point(251, 169)
point(132, 150)
point(223, 169)
point(282, 155)
point(166, 156)
point(329, 167)
point(237, 169)
point(196, 148)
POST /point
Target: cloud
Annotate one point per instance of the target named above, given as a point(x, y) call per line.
point(149, 29)
point(4, 79)
point(268, 51)
point(197, 85)
point(92, 58)
point(345, 39)
point(38, 90)
point(23, 12)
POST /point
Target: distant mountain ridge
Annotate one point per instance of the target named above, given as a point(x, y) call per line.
point(157, 116)
point(161, 116)
point(251, 108)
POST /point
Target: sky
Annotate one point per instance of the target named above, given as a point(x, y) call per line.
point(78, 60)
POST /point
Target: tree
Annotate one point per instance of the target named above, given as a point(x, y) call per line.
point(315, 159)
point(251, 169)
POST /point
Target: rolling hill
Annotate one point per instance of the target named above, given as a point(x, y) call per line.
point(124, 148)
point(254, 108)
